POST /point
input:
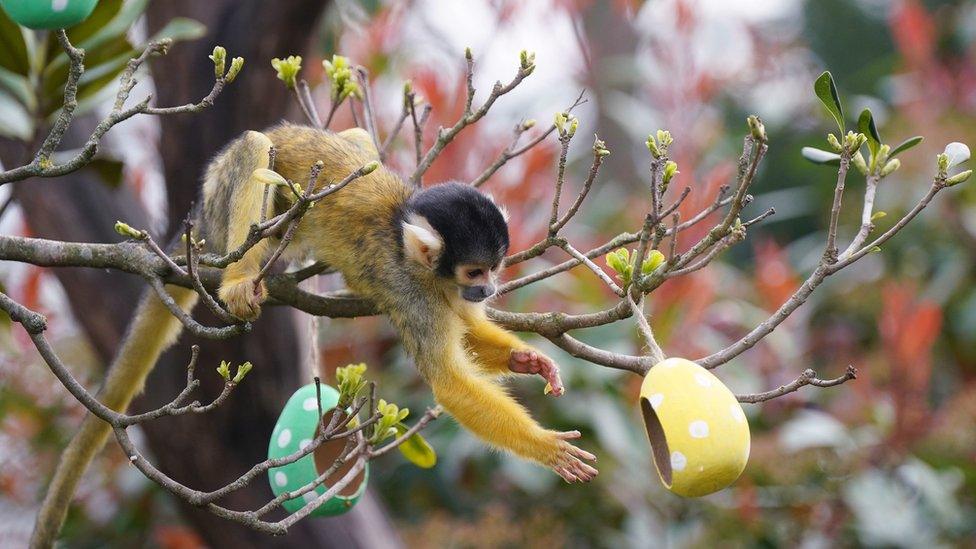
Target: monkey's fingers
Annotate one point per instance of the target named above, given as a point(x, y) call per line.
point(582, 454)
point(568, 435)
point(565, 473)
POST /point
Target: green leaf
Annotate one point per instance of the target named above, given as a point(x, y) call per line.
point(819, 156)
point(15, 121)
point(865, 125)
point(906, 144)
point(18, 86)
point(102, 65)
point(12, 45)
point(957, 153)
point(827, 93)
point(181, 28)
point(416, 449)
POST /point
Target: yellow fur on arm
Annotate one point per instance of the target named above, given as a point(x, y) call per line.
point(485, 409)
point(491, 343)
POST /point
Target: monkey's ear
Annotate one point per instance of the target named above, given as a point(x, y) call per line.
point(422, 243)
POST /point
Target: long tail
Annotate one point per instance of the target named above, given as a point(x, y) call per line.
point(153, 330)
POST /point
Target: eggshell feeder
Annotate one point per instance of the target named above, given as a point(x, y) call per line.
point(295, 430)
point(698, 432)
point(48, 14)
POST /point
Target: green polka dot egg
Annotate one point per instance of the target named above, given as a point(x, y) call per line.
point(698, 432)
point(48, 14)
point(295, 430)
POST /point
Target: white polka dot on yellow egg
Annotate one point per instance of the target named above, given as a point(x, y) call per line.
point(704, 428)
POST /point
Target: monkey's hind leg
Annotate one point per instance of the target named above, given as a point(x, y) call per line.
point(231, 181)
point(499, 351)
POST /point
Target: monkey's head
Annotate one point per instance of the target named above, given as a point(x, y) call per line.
point(459, 234)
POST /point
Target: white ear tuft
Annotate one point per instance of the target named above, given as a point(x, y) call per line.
point(421, 242)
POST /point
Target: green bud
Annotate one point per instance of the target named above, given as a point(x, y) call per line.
point(756, 128)
point(664, 138)
point(652, 146)
point(528, 124)
point(468, 54)
point(219, 58)
point(878, 215)
point(875, 249)
point(834, 143)
point(370, 167)
point(654, 260)
point(572, 126)
point(288, 68)
point(619, 260)
point(242, 371)
point(943, 162)
point(235, 67)
point(348, 88)
point(859, 163)
point(125, 229)
point(670, 169)
point(959, 178)
point(561, 122)
point(527, 60)
point(890, 167)
point(883, 152)
point(224, 370)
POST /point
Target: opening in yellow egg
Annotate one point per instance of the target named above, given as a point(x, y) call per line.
point(659, 443)
point(327, 452)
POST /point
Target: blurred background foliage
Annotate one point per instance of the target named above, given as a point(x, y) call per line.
point(887, 460)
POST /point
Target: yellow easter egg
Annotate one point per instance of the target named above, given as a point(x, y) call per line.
point(698, 432)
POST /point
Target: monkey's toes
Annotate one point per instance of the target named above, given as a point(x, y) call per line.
point(243, 299)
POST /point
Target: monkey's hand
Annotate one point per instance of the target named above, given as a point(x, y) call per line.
point(243, 298)
point(569, 462)
point(527, 361)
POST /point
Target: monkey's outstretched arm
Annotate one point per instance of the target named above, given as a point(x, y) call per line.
point(485, 409)
point(233, 173)
point(499, 351)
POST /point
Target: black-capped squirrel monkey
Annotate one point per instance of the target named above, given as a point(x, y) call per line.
point(427, 258)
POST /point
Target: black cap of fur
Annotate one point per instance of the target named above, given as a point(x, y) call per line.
point(473, 228)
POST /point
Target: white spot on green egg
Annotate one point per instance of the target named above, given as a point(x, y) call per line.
point(284, 437)
point(698, 429)
point(310, 405)
point(281, 479)
point(309, 497)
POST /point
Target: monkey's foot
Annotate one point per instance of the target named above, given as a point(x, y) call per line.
point(242, 298)
point(569, 463)
point(531, 362)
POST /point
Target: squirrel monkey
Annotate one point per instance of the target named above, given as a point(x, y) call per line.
point(427, 258)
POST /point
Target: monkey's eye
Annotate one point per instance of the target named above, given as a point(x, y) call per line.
point(474, 273)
